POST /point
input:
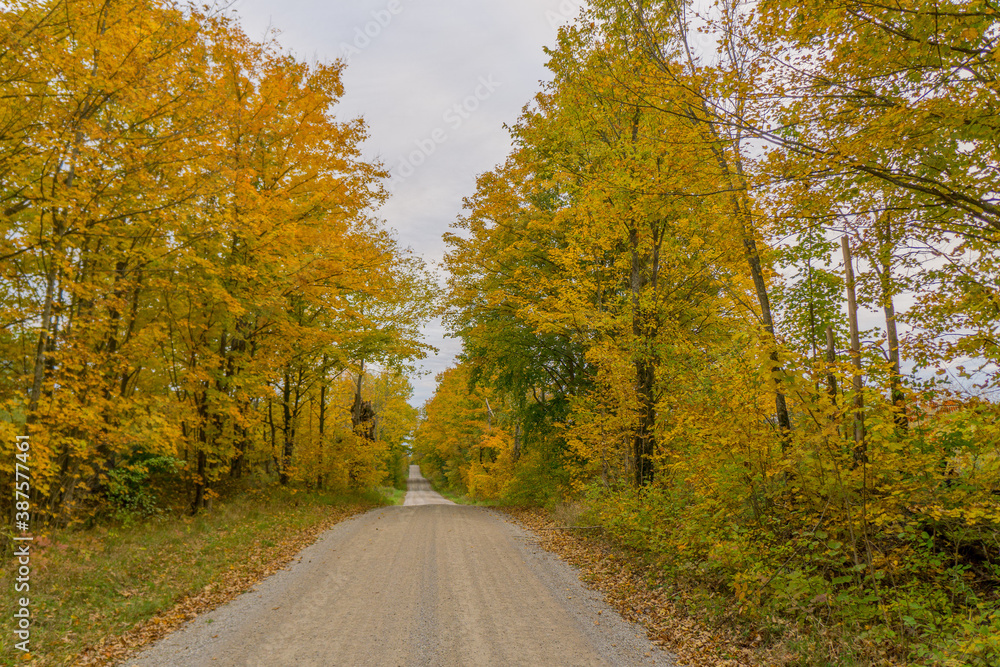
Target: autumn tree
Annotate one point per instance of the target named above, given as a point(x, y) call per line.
point(188, 232)
point(657, 270)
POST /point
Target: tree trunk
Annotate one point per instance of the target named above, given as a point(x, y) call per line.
point(289, 429)
point(644, 443)
point(701, 114)
point(356, 407)
point(860, 448)
point(237, 351)
point(896, 394)
point(274, 435)
point(895, 374)
point(58, 232)
point(831, 359)
point(516, 454)
point(200, 483)
point(38, 374)
point(322, 425)
point(767, 320)
point(199, 487)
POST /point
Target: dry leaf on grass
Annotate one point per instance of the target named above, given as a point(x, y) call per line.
point(624, 583)
point(258, 565)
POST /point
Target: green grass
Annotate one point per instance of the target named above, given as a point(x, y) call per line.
point(393, 496)
point(87, 585)
point(461, 498)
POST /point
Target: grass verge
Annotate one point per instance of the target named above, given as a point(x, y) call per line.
point(393, 496)
point(100, 594)
point(461, 498)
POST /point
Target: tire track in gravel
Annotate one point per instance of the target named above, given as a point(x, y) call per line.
point(417, 585)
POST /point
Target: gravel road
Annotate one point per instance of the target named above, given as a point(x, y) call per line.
point(428, 583)
point(419, 492)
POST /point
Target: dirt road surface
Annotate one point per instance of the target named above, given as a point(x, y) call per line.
point(430, 583)
point(419, 492)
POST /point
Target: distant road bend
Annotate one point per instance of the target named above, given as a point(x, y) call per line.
point(419, 492)
point(429, 583)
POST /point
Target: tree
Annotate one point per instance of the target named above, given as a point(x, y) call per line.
point(186, 228)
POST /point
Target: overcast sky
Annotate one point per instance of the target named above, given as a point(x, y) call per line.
point(435, 81)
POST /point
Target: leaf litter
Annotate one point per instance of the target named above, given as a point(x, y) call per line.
point(258, 563)
point(628, 587)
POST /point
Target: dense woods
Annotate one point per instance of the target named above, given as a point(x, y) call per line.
point(736, 289)
point(735, 292)
point(193, 285)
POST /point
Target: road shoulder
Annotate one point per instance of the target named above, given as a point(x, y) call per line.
point(621, 582)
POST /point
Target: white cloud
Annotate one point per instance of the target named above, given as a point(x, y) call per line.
point(417, 65)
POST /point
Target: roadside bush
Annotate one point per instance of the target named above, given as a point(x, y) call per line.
point(129, 491)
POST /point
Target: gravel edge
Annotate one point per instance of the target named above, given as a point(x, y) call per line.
point(625, 587)
point(241, 577)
